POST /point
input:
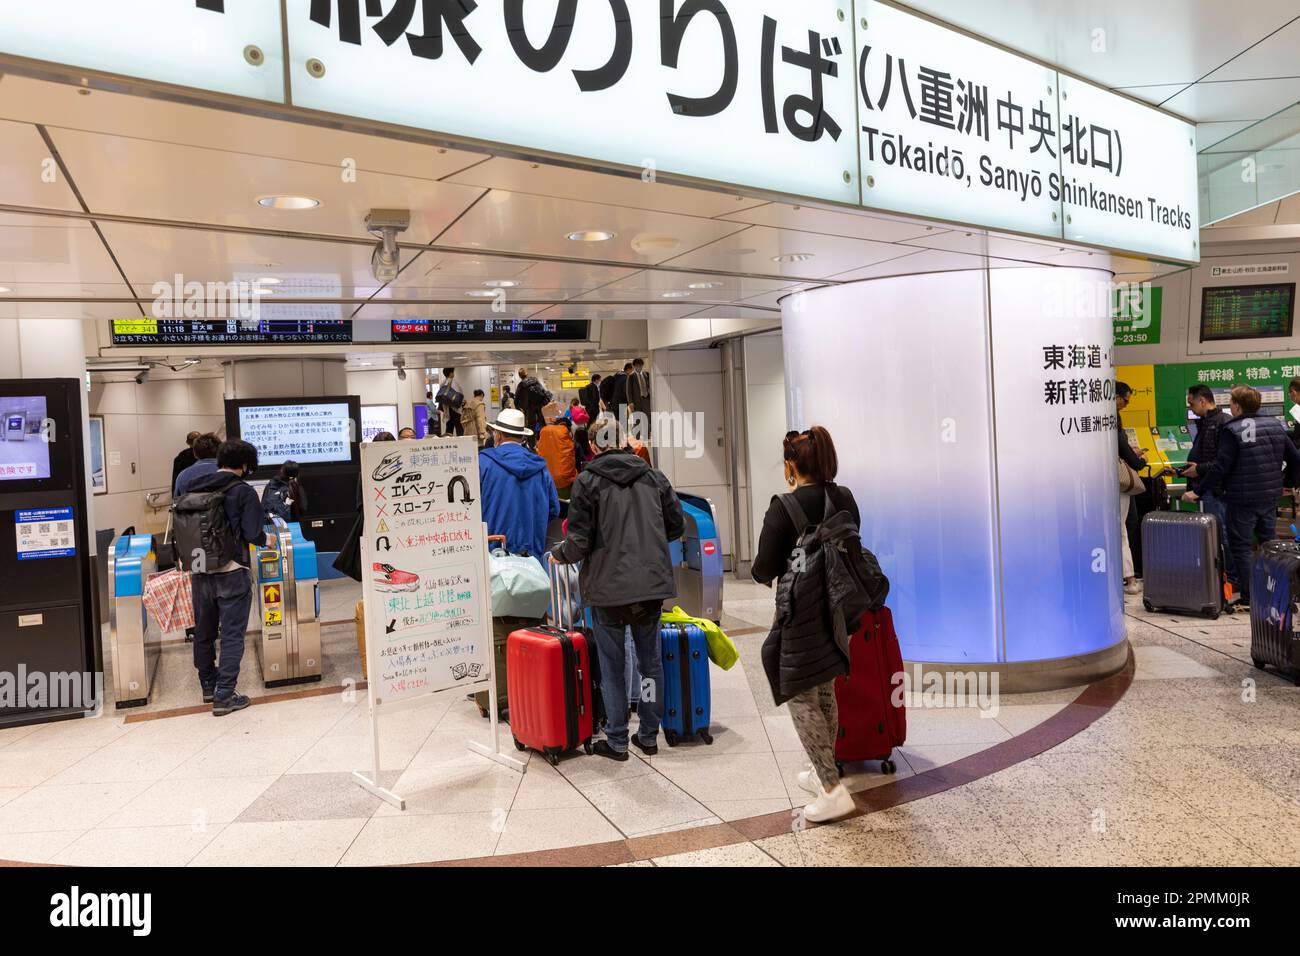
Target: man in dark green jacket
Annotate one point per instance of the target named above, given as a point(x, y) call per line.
point(622, 514)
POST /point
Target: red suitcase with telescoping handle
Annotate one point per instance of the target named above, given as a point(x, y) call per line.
point(873, 712)
point(549, 681)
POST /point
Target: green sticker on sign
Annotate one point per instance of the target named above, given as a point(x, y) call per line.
point(1136, 314)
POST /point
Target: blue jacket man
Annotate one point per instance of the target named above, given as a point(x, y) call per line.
point(1255, 460)
point(518, 495)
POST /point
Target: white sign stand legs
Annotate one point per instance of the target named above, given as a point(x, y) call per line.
point(372, 785)
point(493, 752)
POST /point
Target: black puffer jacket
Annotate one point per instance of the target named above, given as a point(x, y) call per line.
point(1205, 448)
point(1253, 451)
point(808, 644)
point(622, 514)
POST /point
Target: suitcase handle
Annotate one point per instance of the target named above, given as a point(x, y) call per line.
point(562, 610)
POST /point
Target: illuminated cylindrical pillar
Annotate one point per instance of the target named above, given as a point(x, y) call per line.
point(975, 421)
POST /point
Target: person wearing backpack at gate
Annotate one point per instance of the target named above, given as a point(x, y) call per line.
point(802, 661)
point(229, 509)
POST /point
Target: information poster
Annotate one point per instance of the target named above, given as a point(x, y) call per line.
point(427, 613)
point(45, 533)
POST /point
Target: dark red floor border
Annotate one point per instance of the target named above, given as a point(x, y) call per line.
point(1092, 704)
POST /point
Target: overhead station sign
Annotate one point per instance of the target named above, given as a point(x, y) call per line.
point(954, 128)
point(853, 102)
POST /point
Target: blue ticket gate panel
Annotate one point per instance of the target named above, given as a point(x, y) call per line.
point(135, 653)
point(287, 596)
point(697, 560)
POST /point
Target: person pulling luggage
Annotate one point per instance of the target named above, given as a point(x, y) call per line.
point(622, 514)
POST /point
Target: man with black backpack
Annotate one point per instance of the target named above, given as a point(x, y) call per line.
point(216, 521)
point(451, 399)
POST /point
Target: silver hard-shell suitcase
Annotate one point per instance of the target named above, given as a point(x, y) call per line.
point(1182, 562)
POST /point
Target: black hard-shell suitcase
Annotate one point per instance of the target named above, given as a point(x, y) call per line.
point(1274, 587)
point(1182, 562)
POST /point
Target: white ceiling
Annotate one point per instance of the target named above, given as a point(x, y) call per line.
point(171, 189)
point(1219, 63)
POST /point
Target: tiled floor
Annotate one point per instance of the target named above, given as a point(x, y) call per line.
point(1198, 763)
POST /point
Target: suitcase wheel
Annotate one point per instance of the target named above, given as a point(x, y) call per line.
point(1148, 605)
point(888, 766)
point(1213, 611)
point(670, 738)
point(1259, 665)
point(839, 767)
point(552, 756)
point(587, 748)
point(706, 736)
point(518, 745)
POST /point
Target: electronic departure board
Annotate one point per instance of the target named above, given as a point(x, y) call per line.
point(1247, 312)
point(491, 330)
point(231, 332)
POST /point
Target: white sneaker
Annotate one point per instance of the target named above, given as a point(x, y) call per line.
point(808, 780)
point(830, 806)
point(1133, 587)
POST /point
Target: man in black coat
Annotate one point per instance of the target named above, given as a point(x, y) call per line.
point(1205, 448)
point(589, 396)
point(185, 458)
point(530, 398)
point(622, 514)
point(1254, 462)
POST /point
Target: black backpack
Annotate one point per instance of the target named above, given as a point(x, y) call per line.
point(450, 398)
point(830, 557)
point(205, 541)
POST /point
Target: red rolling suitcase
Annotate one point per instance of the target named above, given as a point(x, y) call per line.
point(549, 681)
point(872, 722)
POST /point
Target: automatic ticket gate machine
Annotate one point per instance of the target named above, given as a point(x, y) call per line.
point(287, 594)
point(697, 560)
point(135, 654)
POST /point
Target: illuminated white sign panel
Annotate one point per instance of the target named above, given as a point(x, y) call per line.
point(1128, 174)
point(758, 93)
point(953, 128)
point(225, 46)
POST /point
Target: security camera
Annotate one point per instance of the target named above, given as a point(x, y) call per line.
point(387, 224)
point(400, 365)
point(572, 369)
point(142, 377)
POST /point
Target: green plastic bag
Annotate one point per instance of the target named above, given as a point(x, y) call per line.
point(721, 649)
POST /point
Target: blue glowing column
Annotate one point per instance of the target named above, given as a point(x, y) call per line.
point(999, 533)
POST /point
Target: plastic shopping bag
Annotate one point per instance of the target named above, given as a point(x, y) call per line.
point(520, 586)
point(721, 649)
point(169, 600)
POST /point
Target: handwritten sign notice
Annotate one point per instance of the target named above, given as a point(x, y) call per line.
point(424, 572)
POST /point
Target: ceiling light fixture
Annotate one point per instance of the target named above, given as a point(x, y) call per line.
point(4, 289)
point(288, 202)
point(269, 280)
point(674, 295)
point(501, 283)
point(794, 257)
point(705, 285)
point(591, 235)
point(481, 294)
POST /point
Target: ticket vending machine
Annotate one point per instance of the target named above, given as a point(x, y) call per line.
point(697, 560)
point(287, 594)
point(135, 654)
point(50, 662)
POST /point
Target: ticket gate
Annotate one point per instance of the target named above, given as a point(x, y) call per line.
point(287, 594)
point(697, 560)
point(135, 652)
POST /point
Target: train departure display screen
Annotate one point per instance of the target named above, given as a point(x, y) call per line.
point(491, 330)
point(1247, 312)
point(232, 332)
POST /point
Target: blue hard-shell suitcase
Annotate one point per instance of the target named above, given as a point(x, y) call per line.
point(686, 697)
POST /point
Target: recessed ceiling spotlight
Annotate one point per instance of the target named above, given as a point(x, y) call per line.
point(705, 285)
point(501, 283)
point(4, 289)
point(592, 235)
point(287, 202)
point(794, 257)
point(674, 295)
